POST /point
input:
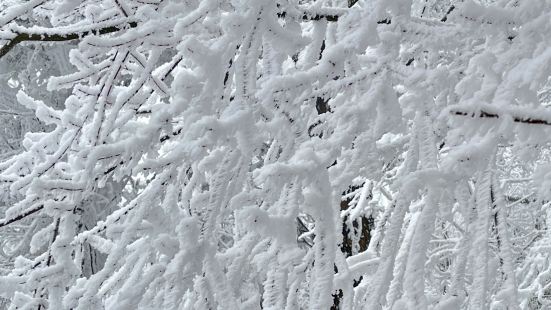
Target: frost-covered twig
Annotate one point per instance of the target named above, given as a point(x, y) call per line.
point(26, 213)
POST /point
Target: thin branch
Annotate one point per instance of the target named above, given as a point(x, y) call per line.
point(311, 16)
point(16, 113)
point(14, 12)
point(21, 216)
point(54, 238)
point(351, 3)
point(445, 18)
point(516, 118)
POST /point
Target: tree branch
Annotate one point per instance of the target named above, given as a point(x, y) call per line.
point(38, 37)
point(516, 118)
point(313, 16)
point(445, 18)
point(21, 216)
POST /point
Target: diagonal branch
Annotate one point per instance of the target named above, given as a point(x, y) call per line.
point(445, 18)
point(21, 216)
point(59, 37)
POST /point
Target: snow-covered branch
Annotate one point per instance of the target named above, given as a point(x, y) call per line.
point(22, 35)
